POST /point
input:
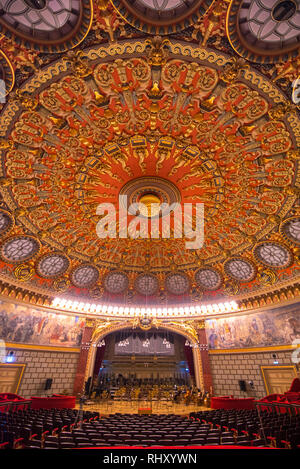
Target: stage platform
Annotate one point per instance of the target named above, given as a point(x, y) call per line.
point(133, 407)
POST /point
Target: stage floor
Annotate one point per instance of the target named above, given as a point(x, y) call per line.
point(158, 407)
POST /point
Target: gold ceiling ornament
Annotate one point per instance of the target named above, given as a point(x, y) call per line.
point(297, 255)
point(79, 65)
point(24, 272)
point(199, 323)
point(90, 323)
point(231, 287)
point(196, 294)
point(61, 284)
point(266, 277)
point(96, 292)
point(294, 154)
point(43, 234)
point(213, 20)
point(5, 182)
point(20, 212)
point(158, 51)
point(279, 111)
point(102, 4)
point(26, 100)
point(6, 144)
point(232, 70)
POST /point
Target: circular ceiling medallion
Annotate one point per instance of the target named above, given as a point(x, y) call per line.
point(240, 269)
point(177, 284)
point(146, 284)
point(49, 25)
point(208, 279)
point(162, 16)
point(273, 254)
point(19, 248)
point(291, 229)
point(84, 276)
point(150, 192)
point(6, 222)
point(52, 265)
point(264, 30)
point(116, 282)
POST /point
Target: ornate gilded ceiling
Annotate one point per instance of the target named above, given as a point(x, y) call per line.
point(188, 117)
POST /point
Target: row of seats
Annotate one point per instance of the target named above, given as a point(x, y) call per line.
point(62, 429)
point(30, 427)
point(280, 430)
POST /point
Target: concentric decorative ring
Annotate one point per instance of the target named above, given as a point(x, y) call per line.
point(240, 269)
point(49, 25)
point(273, 254)
point(162, 16)
point(19, 248)
point(162, 191)
point(116, 282)
point(6, 222)
point(84, 276)
point(208, 279)
point(52, 265)
point(146, 284)
point(177, 283)
point(264, 30)
point(290, 229)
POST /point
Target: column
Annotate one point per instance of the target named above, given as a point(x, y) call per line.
point(83, 357)
point(203, 347)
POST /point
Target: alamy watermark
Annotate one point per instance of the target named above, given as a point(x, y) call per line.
point(152, 221)
point(2, 92)
point(296, 91)
point(296, 352)
point(2, 351)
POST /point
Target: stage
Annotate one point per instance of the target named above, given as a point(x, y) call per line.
point(132, 407)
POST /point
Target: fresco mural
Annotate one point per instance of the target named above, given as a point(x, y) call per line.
point(22, 324)
point(276, 327)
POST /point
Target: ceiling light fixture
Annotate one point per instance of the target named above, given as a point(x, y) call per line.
point(120, 311)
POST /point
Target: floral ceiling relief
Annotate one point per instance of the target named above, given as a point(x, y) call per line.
point(95, 121)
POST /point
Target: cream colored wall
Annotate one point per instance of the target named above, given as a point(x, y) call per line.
point(40, 365)
point(228, 368)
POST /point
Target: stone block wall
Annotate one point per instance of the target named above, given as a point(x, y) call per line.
point(40, 365)
point(228, 368)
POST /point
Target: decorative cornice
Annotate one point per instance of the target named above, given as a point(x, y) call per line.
point(275, 348)
point(41, 348)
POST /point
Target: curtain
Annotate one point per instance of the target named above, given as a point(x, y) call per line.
point(98, 360)
point(190, 359)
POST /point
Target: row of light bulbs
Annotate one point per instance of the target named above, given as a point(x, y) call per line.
point(108, 310)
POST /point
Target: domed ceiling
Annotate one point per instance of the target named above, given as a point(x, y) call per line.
point(199, 114)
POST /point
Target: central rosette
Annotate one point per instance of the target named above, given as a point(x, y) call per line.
point(150, 205)
point(150, 197)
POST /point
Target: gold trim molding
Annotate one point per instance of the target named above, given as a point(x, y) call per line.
point(275, 348)
point(42, 348)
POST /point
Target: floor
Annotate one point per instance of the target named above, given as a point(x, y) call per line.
point(157, 407)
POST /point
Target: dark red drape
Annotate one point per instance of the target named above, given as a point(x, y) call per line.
point(98, 360)
point(190, 359)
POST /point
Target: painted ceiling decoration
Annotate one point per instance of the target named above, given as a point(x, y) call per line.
point(264, 30)
point(191, 117)
point(162, 16)
point(46, 25)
